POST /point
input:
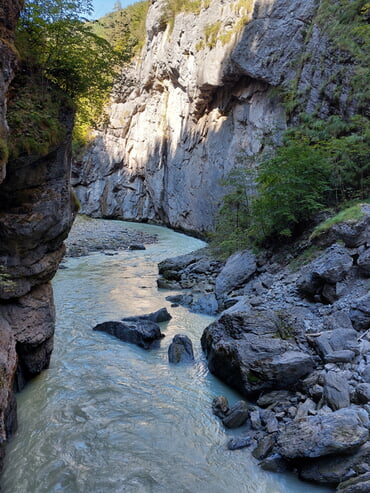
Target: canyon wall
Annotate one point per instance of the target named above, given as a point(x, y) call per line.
point(205, 93)
point(36, 213)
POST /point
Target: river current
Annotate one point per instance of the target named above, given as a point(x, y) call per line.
point(109, 417)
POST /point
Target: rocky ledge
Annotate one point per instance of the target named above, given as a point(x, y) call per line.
point(293, 339)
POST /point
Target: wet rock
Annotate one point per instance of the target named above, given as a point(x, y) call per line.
point(180, 350)
point(220, 406)
point(359, 484)
point(360, 313)
point(338, 432)
point(336, 390)
point(144, 333)
point(237, 415)
point(159, 316)
point(273, 398)
point(239, 442)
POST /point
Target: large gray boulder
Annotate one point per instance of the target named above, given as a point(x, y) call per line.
point(144, 333)
point(237, 415)
point(247, 352)
point(238, 269)
point(339, 432)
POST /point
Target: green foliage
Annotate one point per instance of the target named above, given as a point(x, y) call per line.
point(349, 214)
point(346, 23)
point(320, 164)
point(4, 151)
point(234, 217)
point(173, 7)
point(124, 29)
point(55, 41)
point(6, 282)
point(34, 115)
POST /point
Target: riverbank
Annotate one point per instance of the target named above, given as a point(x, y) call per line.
point(292, 336)
point(95, 235)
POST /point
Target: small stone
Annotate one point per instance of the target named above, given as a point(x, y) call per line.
point(220, 406)
point(239, 442)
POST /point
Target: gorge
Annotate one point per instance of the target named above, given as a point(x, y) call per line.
point(214, 89)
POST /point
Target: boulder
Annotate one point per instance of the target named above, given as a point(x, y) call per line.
point(159, 316)
point(360, 313)
point(180, 349)
point(238, 269)
point(246, 352)
point(143, 333)
point(335, 468)
point(237, 415)
point(342, 431)
point(336, 340)
point(264, 447)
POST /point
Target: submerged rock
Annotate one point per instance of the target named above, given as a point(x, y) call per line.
point(180, 350)
point(144, 333)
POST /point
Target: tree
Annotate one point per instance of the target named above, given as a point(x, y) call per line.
point(54, 36)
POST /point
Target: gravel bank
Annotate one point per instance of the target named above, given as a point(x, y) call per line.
point(91, 235)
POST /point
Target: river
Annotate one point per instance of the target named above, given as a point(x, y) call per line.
point(111, 417)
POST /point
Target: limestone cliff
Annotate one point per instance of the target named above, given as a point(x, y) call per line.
point(36, 212)
point(203, 94)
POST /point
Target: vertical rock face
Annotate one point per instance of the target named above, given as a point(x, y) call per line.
point(36, 213)
point(202, 96)
point(180, 119)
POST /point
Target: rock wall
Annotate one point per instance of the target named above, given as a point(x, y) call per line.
point(36, 213)
point(202, 96)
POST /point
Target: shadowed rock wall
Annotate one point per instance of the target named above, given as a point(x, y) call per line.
point(36, 213)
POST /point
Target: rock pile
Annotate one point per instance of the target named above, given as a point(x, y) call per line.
point(296, 344)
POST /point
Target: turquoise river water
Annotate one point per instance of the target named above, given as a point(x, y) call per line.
point(111, 417)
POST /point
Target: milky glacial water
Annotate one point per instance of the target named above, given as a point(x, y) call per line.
point(111, 417)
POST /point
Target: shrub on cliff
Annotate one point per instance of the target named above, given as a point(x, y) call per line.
point(320, 164)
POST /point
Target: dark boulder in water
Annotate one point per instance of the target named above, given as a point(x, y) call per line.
point(144, 333)
point(181, 349)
